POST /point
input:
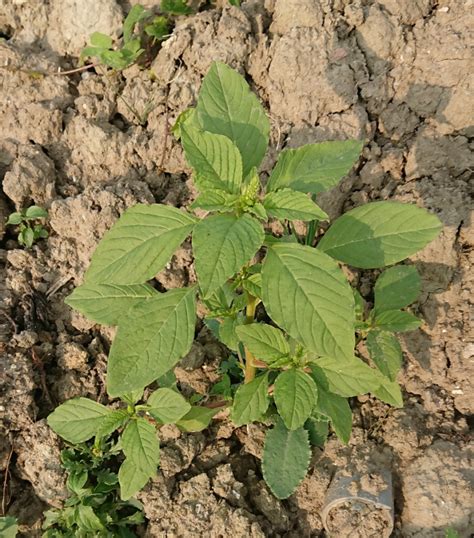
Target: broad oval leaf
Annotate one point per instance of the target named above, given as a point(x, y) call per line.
point(139, 244)
point(197, 419)
point(339, 412)
point(379, 233)
point(295, 396)
point(226, 106)
point(250, 401)
point(214, 158)
point(306, 293)
point(389, 392)
point(265, 342)
point(131, 479)
point(222, 245)
point(152, 337)
point(315, 167)
point(385, 351)
point(285, 461)
point(348, 377)
point(167, 406)
point(140, 445)
point(292, 205)
point(107, 303)
point(78, 420)
point(396, 288)
point(397, 321)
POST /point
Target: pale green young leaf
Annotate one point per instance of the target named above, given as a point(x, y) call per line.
point(385, 351)
point(215, 200)
point(111, 422)
point(379, 233)
point(152, 337)
point(315, 167)
point(349, 377)
point(253, 285)
point(78, 419)
point(222, 245)
point(87, 520)
point(214, 158)
point(295, 396)
point(396, 288)
point(250, 401)
point(307, 295)
point(14, 219)
point(338, 410)
point(265, 342)
point(140, 445)
point(187, 117)
point(100, 40)
point(36, 212)
point(132, 478)
point(139, 244)
point(389, 392)
point(226, 106)
point(107, 303)
point(285, 461)
point(397, 321)
point(317, 429)
point(292, 205)
point(197, 419)
point(167, 406)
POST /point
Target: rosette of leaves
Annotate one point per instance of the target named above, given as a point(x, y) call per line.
point(29, 229)
point(283, 305)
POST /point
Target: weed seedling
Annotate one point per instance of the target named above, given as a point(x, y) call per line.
point(28, 231)
point(285, 309)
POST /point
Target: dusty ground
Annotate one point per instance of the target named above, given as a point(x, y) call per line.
point(397, 73)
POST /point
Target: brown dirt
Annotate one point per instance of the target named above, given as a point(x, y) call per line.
point(398, 73)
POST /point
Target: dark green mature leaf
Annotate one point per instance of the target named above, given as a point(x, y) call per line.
point(348, 377)
point(285, 461)
point(396, 288)
point(292, 205)
point(265, 342)
point(226, 106)
point(152, 337)
point(295, 396)
point(251, 401)
point(379, 233)
point(384, 349)
point(197, 419)
point(214, 158)
point(107, 303)
point(167, 406)
point(389, 392)
point(397, 321)
point(139, 244)
point(318, 429)
point(338, 410)
point(315, 167)
point(306, 293)
point(222, 245)
point(77, 420)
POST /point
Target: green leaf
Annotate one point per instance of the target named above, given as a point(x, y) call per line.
point(348, 377)
point(77, 420)
point(226, 106)
point(36, 212)
point(158, 28)
point(227, 333)
point(286, 456)
point(14, 219)
point(338, 410)
point(389, 392)
point(214, 158)
point(197, 419)
point(315, 167)
point(379, 233)
point(140, 445)
point(250, 401)
point(222, 245)
point(295, 396)
point(8, 527)
point(101, 41)
point(396, 288)
point(175, 7)
point(317, 429)
point(187, 117)
point(135, 15)
point(27, 237)
point(167, 406)
point(292, 205)
point(307, 295)
point(265, 342)
point(87, 520)
point(253, 285)
point(152, 337)
point(139, 244)
point(384, 349)
point(108, 303)
point(131, 478)
point(397, 321)
point(215, 200)
point(111, 422)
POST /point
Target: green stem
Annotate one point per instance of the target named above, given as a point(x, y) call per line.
point(312, 228)
point(249, 358)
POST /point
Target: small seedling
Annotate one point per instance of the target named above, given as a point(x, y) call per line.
point(28, 231)
point(285, 310)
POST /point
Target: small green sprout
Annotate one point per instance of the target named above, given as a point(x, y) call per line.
point(29, 232)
